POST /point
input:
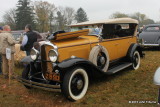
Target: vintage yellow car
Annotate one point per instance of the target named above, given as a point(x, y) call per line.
point(68, 61)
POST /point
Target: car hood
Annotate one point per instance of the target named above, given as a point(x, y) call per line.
point(150, 37)
point(81, 40)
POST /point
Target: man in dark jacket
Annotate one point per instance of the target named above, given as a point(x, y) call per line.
point(28, 40)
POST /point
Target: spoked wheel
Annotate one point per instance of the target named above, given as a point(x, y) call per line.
point(135, 60)
point(101, 60)
point(75, 84)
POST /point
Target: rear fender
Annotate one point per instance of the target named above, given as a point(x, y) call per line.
point(133, 48)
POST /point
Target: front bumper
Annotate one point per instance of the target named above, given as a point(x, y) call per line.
point(150, 45)
point(43, 86)
point(144, 44)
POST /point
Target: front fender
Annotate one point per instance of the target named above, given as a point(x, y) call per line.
point(72, 62)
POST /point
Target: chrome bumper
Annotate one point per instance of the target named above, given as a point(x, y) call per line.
point(47, 87)
point(150, 45)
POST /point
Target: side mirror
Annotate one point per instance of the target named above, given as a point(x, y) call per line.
point(156, 78)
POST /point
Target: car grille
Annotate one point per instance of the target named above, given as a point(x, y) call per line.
point(46, 63)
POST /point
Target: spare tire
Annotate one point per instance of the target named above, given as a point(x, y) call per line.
point(99, 56)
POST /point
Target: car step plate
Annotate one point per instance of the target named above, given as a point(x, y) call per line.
point(119, 68)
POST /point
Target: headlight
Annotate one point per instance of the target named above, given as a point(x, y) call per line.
point(34, 54)
point(53, 55)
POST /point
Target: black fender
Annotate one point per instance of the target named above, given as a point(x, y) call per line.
point(73, 62)
point(26, 60)
point(132, 48)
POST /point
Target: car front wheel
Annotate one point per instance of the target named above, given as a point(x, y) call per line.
point(75, 84)
point(135, 60)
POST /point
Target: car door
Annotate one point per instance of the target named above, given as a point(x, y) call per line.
point(109, 40)
point(123, 46)
point(127, 36)
point(112, 47)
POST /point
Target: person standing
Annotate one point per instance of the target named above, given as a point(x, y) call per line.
point(1, 29)
point(28, 40)
point(7, 41)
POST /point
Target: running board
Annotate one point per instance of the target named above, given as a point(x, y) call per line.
point(118, 68)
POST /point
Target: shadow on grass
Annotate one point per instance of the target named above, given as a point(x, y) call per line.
point(108, 78)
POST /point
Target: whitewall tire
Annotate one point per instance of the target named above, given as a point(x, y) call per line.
point(136, 60)
point(75, 84)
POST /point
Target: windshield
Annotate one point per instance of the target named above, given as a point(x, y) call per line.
point(93, 30)
point(152, 29)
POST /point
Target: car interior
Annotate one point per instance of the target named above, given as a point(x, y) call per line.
point(117, 30)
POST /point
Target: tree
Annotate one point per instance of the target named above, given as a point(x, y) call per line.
point(60, 20)
point(140, 17)
point(69, 14)
point(9, 18)
point(65, 17)
point(81, 16)
point(44, 15)
point(24, 14)
point(148, 21)
point(118, 15)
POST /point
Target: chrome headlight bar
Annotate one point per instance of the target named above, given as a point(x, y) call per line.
point(34, 54)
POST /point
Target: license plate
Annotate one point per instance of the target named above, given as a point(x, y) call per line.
point(55, 77)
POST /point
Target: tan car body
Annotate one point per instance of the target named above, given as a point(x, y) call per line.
point(80, 46)
point(79, 55)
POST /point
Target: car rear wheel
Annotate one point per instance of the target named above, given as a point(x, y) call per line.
point(136, 60)
point(75, 84)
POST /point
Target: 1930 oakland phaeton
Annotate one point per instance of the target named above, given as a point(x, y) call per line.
point(68, 61)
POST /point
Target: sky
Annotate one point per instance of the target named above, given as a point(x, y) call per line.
point(100, 9)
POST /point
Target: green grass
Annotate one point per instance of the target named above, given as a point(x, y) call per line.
point(111, 91)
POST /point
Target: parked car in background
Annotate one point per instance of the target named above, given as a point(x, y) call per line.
point(67, 62)
point(17, 34)
point(150, 35)
point(19, 55)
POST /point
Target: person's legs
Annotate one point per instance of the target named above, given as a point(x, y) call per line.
point(5, 66)
point(28, 53)
point(0, 64)
point(11, 66)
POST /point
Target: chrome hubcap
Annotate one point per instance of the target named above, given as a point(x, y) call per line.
point(79, 84)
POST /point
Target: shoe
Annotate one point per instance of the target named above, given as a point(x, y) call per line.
point(14, 77)
point(6, 77)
